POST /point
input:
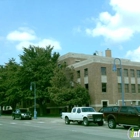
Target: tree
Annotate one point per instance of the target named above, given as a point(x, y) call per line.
point(65, 90)
point(10, 94)
point(37, 65)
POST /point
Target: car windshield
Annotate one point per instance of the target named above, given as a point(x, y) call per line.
point(138, 108)
point(89, 109)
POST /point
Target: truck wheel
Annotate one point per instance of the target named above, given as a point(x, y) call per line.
point(85, 122)
point(100, 123)
point(67, 121)
point(111, 123)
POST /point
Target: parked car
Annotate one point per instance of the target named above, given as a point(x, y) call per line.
point(22, 113)
point(83, 115)
point(122, 115)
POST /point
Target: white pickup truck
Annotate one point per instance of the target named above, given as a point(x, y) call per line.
point(83, 115)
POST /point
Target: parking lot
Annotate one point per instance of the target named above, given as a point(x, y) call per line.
point(54, 128)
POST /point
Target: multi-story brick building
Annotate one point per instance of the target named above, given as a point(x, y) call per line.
point(95, 73)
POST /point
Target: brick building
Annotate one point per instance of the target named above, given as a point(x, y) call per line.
point(95, 73)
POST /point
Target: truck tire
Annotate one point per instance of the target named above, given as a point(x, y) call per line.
point(111, 123)
point(67, 121)
point(85, 122)
point(100, 123)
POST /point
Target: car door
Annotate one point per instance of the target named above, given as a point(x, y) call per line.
point(79, 114)
point(132, 117)
point(123, 115)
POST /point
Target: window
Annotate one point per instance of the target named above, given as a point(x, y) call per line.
point(119, 88)
point(74, 110)
point(118, 72)
point(86, 72)
point(138, 73)
point(138, 88)
point(103, 70)
point(86, 86)
point(78, 110)
point(104, 87)
point(124, 109)
point(126, 88)
point(104, 103)
point(133, 90)
point(78, 74)
point(125, 72)
point(132, 73)
point(131, 110)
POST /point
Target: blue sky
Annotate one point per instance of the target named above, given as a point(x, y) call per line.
point(79, 26)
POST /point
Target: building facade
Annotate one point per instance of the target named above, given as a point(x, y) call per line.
point(106, 86)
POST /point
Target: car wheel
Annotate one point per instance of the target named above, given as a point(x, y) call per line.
point(111, 123)
point(100, 123)
point(85, 122)
point(67, 121)
point(13, 117)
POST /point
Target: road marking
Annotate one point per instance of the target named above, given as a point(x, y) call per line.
point(40, 122)
point(27, 122)
point(12, 123)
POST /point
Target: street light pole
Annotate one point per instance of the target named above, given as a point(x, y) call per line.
point(35, 112)
point(122, 84)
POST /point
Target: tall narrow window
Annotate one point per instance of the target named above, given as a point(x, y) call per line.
point(138, 88)
point(103, 70)
point(133, 89)
point(138, 73)
point(78, 74)
point(132, 73)
point(125, 72)
point(119, 88)
point(86, 72)
point(104, 89)
point(86, 86)
point(104, 103)
point(118, 72)
point(126, 88)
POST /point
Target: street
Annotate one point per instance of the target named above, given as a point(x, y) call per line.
point(55, 129)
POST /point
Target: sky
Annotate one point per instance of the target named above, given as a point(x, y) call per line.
point(78, 26)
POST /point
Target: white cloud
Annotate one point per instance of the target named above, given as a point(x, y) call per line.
point(45, 42)
point(122, 25)
point(27, 37)
point(21, 36)
point(134, 55)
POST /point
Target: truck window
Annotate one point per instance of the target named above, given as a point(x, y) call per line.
point(88, 109)
point(78, 110)
point(74, 110)
point(138, 109)
point(131, 110)
point(115, 109)
point(124, 109)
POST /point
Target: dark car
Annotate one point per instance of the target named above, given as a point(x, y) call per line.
point(122, 115)
point(22, 113)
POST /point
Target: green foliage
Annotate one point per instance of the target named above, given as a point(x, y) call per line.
point(64, 90)
point(9, 87)
point(37, 65)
